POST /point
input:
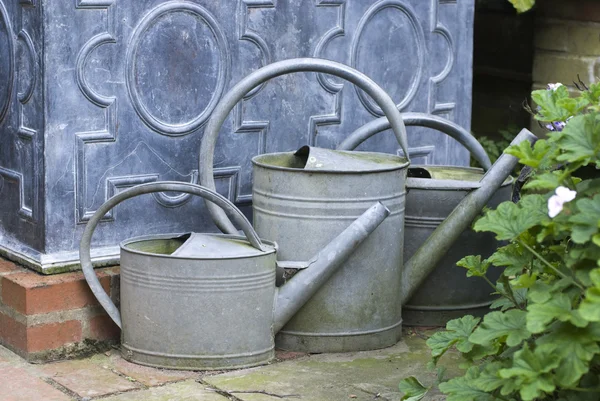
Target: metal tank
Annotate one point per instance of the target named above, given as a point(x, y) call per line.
point(305, 200)
point(303, 203)
point(208, 301)
point(191, 301)
point(432, 194)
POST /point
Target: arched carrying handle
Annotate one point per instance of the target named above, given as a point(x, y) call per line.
point(266, 73)
point(84, 245)
point(422, 120)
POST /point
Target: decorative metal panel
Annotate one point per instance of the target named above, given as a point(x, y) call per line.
point(116, 93)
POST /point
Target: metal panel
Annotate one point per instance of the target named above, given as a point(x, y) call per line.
point(119, 92)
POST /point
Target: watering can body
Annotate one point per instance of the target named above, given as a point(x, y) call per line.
point(305, 207)
point(201, 312)
point(447, 293)
point(209, 301)
point(433, 192)
point(283, 207)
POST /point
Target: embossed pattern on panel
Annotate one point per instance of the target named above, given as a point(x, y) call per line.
point(129, 86)
point(7, 61)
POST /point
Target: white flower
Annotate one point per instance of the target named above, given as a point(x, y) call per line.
point(553, 87)
point(556, 202)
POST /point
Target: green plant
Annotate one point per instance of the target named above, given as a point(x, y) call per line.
point(543, 340)
point(495, 147)
point(522, 5)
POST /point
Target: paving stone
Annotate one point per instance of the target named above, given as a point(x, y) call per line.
point(19, 385)
point(87, 377)
point(356, 376)
point(7, 356)
point(147, 375)
point(182, 391)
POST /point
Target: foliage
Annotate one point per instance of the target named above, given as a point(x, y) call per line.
point(495, 146)
point(522, 5)
point(542, 341)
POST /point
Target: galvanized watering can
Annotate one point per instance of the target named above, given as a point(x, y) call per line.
point(206, 301)
point(303, 200)
point(432, 193)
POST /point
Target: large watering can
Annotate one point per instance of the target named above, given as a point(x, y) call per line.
point(302, 199)
point(206, 301)
point(432, 193)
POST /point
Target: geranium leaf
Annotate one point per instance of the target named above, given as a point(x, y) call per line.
point(587, 221)
point(575, 347)
point(557, 308)
point(580, 139)
point(474, 265)
point(547, 100)
point(512, 257)
point(590, 306)
point(530, 155)
point(413, 389)
point(509, 220)
point(510, 325)
point(545, 181)
point(465, 389)
point(530, 371)
point(457, 333)
point(522, 5)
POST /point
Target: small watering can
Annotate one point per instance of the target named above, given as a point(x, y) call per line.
point(432, 193)
point(207, 301)
point(302, 200)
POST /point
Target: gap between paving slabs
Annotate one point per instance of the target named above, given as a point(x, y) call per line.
point(361, 376)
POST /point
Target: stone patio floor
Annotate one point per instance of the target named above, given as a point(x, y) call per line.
point(360, 376)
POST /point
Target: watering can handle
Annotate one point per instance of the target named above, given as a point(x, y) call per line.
point(84, 246)
point(266, 73)
point(422, 120)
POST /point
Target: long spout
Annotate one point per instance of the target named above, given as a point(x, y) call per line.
point(433, 250)
point(296, 292)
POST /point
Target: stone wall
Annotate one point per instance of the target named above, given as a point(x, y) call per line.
point(567, 42)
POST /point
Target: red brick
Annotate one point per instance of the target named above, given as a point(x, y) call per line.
point(19, 385)
point(12, 333)
point(103, 328)
point(7, 267)
point(31, 293)
point(53, 335)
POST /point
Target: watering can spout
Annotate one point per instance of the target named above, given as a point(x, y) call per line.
point(426, 258)
point(296, 292)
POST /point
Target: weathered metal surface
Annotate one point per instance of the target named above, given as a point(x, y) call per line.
point(190, 312)
point(359, 307)
point(196, 312)
point(440, 124)
point(261, 76)
point(447, 293)
point(427, 256)
point(432, 194)
point(104, 94)
point(305, 209)
point(206, 301)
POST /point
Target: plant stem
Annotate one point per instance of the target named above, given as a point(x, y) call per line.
point(487, 280)
point(510, 297)
point(553, 268)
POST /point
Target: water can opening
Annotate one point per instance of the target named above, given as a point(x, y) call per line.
point(312, 159)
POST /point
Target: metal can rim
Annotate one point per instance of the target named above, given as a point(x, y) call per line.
point(272, 245)
point(449, 184)
point(402, 164)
